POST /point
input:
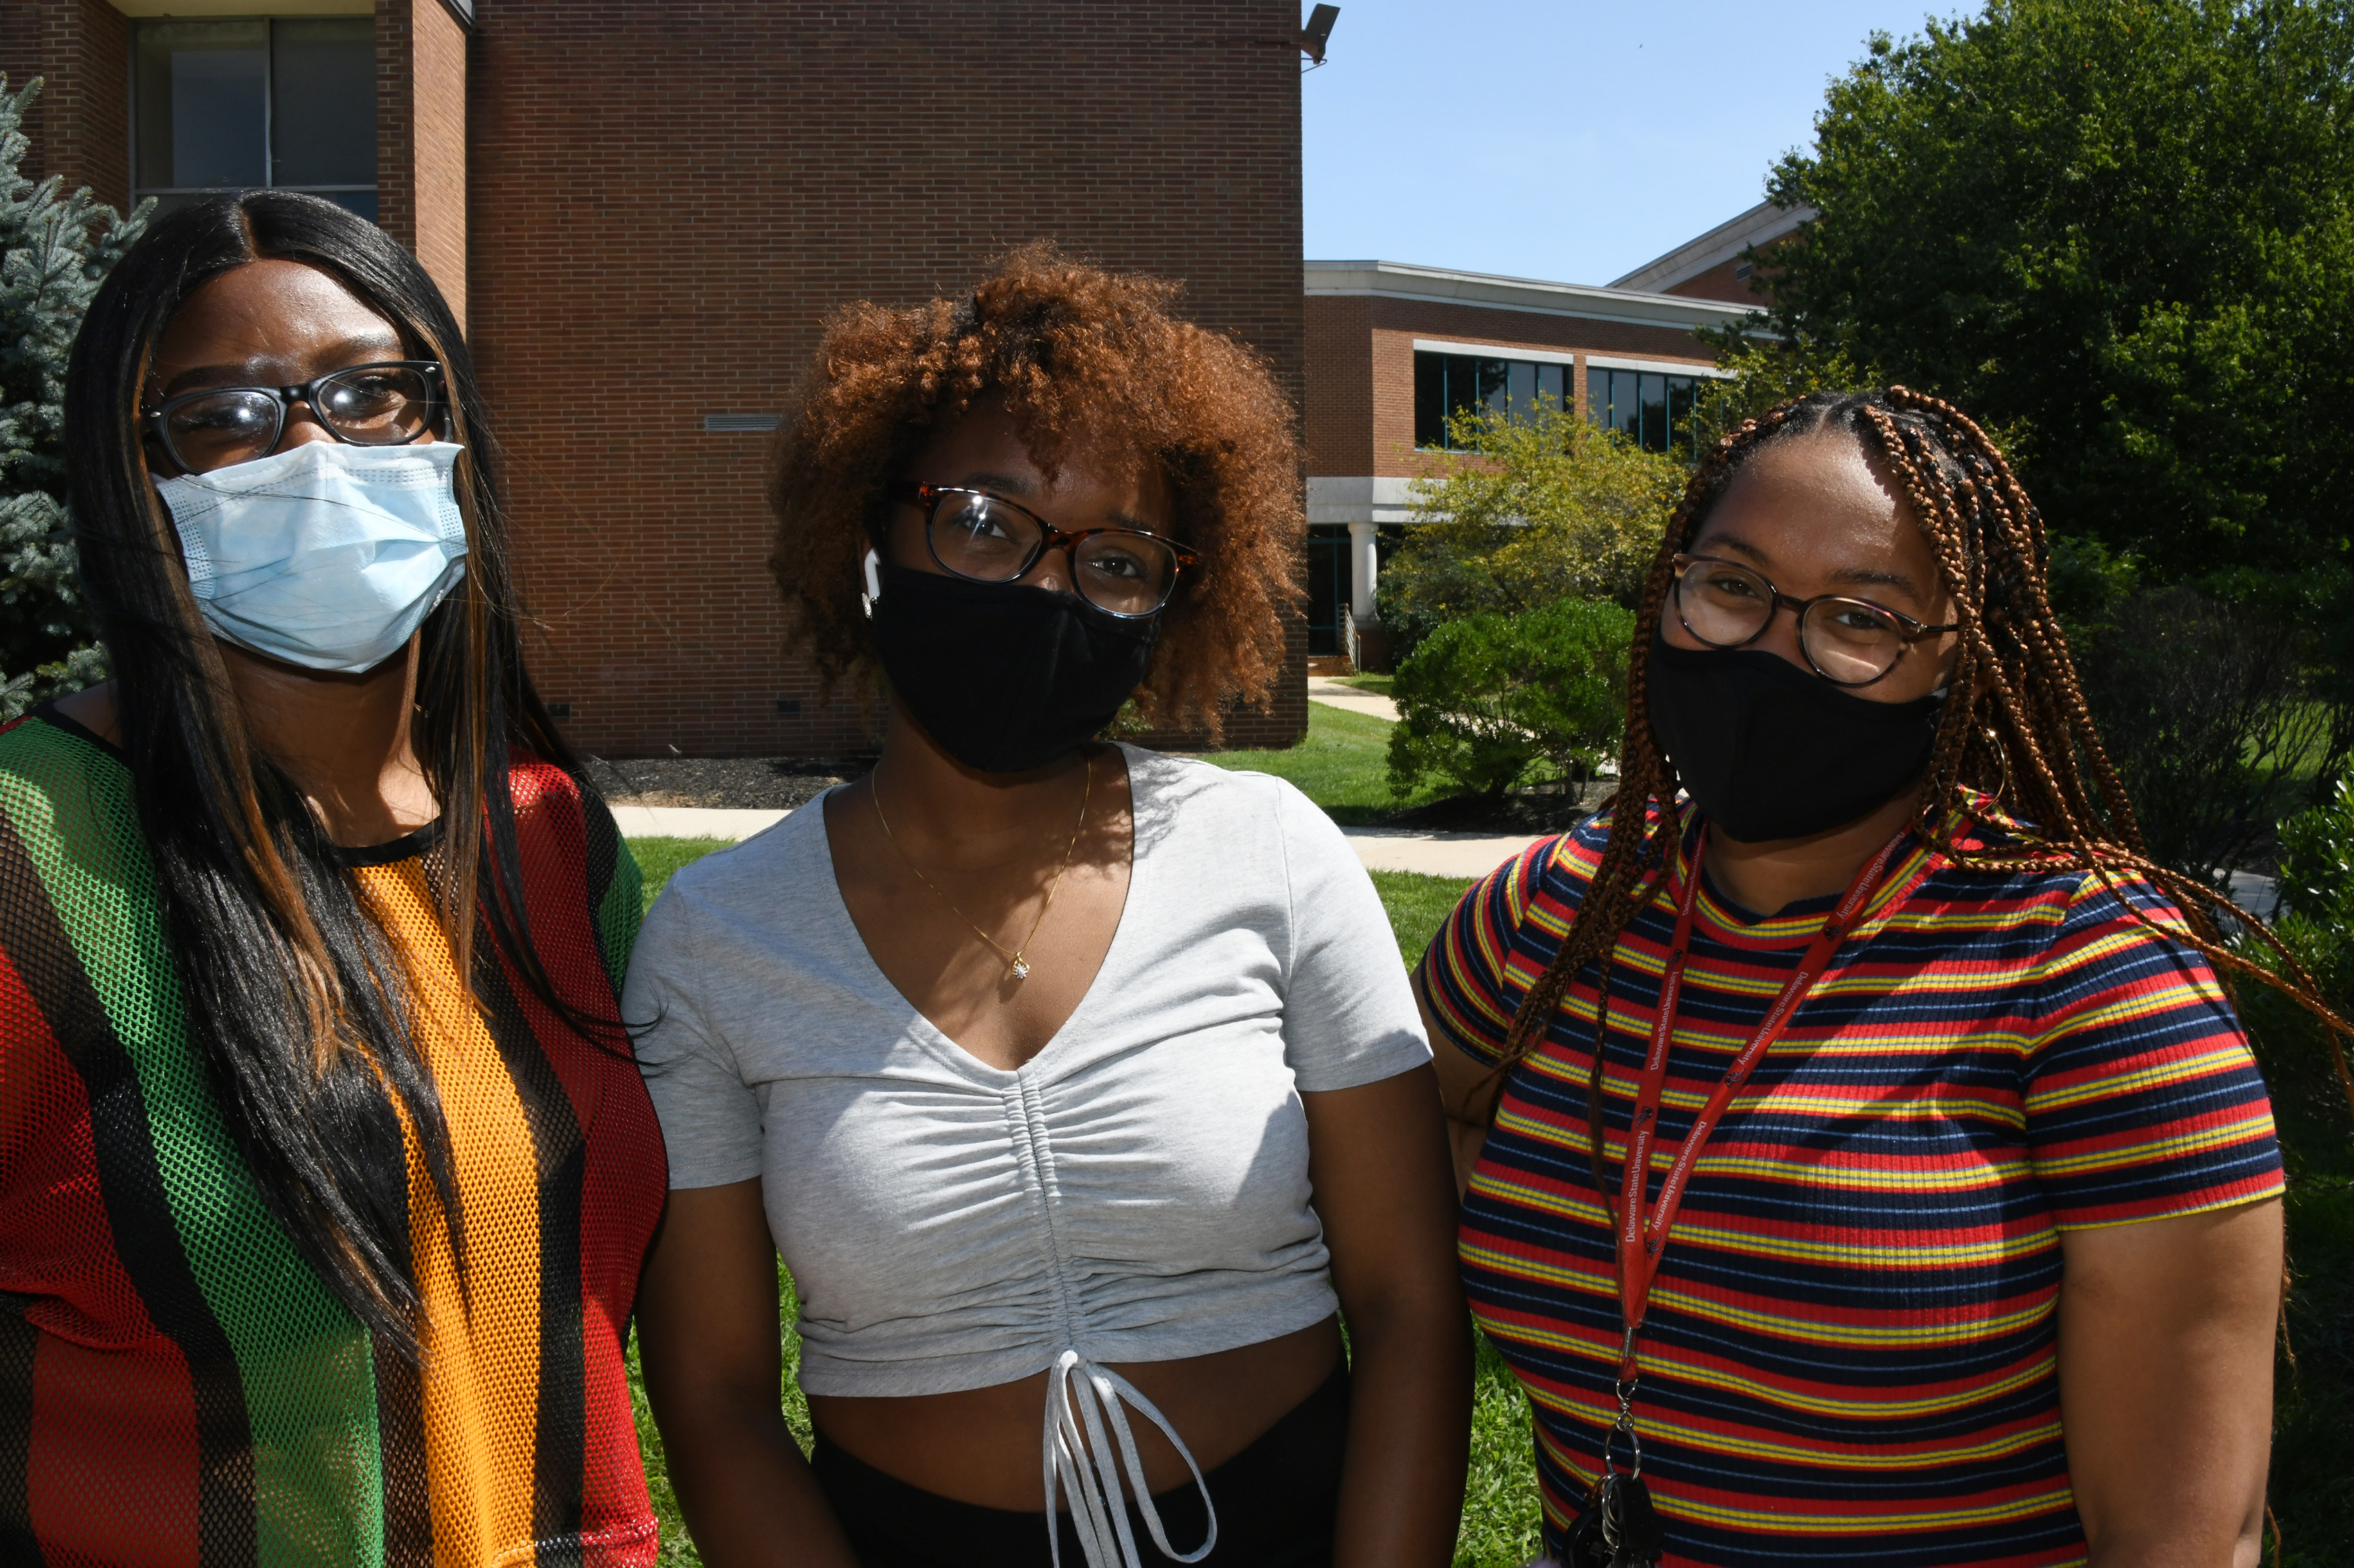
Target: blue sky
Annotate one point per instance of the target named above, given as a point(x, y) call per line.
point(1567, 140)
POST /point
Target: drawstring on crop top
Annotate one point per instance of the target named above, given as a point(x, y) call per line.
point(1096, 1509)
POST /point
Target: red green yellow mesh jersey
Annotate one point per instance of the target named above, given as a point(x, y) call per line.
point(1850, 1348)
point(176, 1387)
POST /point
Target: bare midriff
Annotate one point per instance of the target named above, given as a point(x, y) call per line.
point(981, 1445)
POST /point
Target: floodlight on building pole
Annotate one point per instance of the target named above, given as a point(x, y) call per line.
point(1313, 37)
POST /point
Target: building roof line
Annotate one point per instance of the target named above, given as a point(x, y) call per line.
point(1441, 285)
point(1728, 239)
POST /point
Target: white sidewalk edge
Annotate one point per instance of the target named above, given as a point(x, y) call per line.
point(691, 822)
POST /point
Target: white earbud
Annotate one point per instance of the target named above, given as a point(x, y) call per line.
point(873, 583)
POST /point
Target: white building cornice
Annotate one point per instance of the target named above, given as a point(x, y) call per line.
point(1440, 285)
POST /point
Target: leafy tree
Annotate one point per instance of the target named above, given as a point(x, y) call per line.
point(2122, 232)
point(1526, 512)
point(1766, 372)
point(54, 249)
point(1487, 698)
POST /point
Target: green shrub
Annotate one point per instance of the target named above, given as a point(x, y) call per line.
point(2313, 1429)
point(1531, 507)
point(1488, 698)
point(2211, 701)
point(2317, 861)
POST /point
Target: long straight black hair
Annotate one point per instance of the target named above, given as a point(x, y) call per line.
point(294, 995)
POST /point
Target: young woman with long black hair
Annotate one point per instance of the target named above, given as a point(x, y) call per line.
point(1078, 1086)
point(325, 1170)
point(1919, 1203)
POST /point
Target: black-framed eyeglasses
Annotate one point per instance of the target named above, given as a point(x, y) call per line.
point(1848, 641)
point(988, 539)
point(389, 403)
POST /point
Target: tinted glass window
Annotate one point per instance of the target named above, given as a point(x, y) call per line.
point(288, 102)
point(1651, 408)
point(1495, 377)
point(322, 100)
point(1682, 391)
point(1446, 384)
point(1522, 383)
point(1626, 405)
point(203, 103)
point(1430, 399)
point(1462, 384)
point(1654, 394)
point(1550, 383)
point(1328, 586)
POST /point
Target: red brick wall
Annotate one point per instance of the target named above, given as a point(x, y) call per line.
point(666, 202)
point(1341, 396)
point(421, 154)
point(80, 124)
point(1720, 281)
point(1717, 283)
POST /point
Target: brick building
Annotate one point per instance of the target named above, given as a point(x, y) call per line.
point(1715, 265)
point(644, 212)
point(1393, 349)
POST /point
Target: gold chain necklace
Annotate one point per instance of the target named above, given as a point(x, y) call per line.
point(1015, 964)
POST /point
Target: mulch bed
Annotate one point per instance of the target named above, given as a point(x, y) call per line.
point(1547, 810)
point(726, 783)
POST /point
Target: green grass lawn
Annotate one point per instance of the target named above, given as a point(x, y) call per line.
point(1500, 1514)
point(1416, 903)
point(657, 858)
point(1378, 684)
point(1343, 766)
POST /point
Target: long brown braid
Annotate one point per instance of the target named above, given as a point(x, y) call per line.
point(2017, 714)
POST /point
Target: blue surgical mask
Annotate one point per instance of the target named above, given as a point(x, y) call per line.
point(324, 554)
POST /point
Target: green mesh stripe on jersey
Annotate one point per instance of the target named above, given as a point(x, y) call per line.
point(309, 1378)
point(623, 908)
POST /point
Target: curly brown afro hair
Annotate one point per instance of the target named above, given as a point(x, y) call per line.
point(1077, 357)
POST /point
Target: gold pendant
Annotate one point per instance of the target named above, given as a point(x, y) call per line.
point(1020, 970)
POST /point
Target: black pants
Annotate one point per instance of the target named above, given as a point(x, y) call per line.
point(1274, 1501)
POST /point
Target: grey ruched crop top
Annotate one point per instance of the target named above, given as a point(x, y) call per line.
point(1136, 1192)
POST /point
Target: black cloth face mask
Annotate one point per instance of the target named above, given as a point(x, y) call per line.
point(1770, 751)
point(1006, 678)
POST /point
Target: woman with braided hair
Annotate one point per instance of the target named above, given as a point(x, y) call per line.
point(1953, 1235)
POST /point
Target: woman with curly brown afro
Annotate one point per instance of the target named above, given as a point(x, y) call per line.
point(1079, 1086)
point(1920, 1202)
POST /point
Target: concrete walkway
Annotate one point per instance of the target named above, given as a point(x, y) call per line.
point(1464, 855)
point(691, 822)
point(2256, 894)
point(1334, 694)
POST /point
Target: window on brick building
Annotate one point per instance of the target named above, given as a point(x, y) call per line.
point(1650, 408)
point(283, 100)
point(1446, 384)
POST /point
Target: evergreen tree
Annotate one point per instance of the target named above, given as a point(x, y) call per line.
point(54, 249)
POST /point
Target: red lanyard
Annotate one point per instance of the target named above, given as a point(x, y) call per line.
point(1641, 1237)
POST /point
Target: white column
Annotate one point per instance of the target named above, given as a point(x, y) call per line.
point(1362, 565)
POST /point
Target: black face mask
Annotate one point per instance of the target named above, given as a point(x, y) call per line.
point(1770, 751)
point(1006, 678)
